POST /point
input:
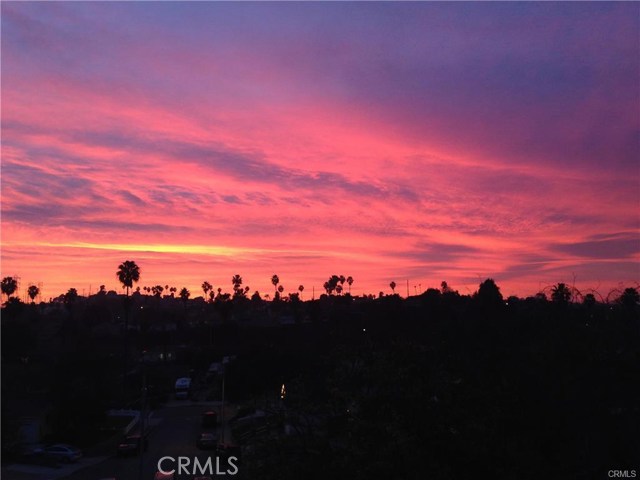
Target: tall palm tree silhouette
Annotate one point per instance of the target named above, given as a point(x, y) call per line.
point(350, 282)
point(128, 273)
point(275, 281)
point(393, 287)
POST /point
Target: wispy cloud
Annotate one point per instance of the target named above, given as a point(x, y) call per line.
point(420, 140)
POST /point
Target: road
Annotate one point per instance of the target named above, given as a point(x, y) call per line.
point(174, 432)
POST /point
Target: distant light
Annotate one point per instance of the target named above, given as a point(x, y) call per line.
point(283, 392)
point(364, 329)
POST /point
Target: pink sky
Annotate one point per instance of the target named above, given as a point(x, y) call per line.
point(386, 141)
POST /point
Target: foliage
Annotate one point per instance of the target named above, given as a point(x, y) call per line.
point(9, 285)
point(128, 273)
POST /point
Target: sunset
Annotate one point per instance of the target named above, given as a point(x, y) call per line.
point(415, 142)
point(342, 240)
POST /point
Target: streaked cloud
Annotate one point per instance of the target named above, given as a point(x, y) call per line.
point(430, 141)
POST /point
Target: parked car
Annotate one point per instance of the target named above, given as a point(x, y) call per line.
point(207, 441)
point(63, 452)
point(130, 445)
point(209, 419)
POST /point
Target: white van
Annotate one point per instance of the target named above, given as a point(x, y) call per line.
point(183, 388)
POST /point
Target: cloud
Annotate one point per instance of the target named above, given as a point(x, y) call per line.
point(612, 246)
point(450, 140)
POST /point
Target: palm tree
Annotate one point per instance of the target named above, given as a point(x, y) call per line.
point(301, 289)
point(9, 285)
point(393, 287)
point(185, 294)
point(237, 282)
point(157, 290)
point(33, 292)
point(206, 288)
point(275, 281)
point(350, 282)
point(331, 284)
point(128, 273)
point(560, 294)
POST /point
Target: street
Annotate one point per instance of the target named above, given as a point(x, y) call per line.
point(174, 431)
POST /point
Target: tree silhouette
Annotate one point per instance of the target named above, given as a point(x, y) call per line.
point(630, 297)
point(185, 294)
point(393, 287)
point(301, 289)
point(71, 296)
point(128, 273)
point(489, 294)
point(350, 282)
point(157, 290)
point(331, 284)
point(206, 288)
point(237, 282)
point(9, 285)
point(33, 292)
point(589, 300)
point(560, 294)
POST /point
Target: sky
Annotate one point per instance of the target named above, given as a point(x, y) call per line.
point(388, 141)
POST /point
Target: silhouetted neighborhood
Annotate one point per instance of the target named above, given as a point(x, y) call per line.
point(437, 385)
